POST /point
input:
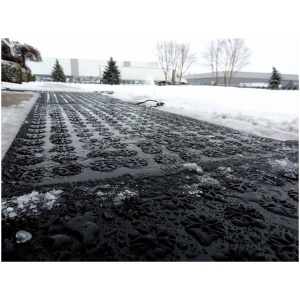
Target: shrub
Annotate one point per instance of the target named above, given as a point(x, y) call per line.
point(11, 72)
point(32, 77)
point(24, 75)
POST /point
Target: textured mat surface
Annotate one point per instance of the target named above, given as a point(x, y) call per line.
point(103, 180)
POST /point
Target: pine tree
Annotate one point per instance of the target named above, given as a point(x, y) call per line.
point(111, 74)
point(275, 80)
point(57, 73)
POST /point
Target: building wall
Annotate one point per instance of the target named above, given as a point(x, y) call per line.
point(74, 67)
point(143, 74)
point(91, 69)
point(45, 67)
point(239, 81)
point(88, 67)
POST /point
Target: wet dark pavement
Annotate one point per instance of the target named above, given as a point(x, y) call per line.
point(124, 194)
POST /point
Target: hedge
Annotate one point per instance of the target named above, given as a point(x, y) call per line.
point(11, 72)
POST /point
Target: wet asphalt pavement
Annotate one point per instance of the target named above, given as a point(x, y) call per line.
point(124, 194)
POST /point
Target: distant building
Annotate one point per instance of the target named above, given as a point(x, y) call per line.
point(90, 71)
point(243, 79)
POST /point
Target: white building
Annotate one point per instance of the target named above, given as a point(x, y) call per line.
point(88, 70)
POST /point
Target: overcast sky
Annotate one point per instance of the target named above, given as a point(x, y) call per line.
point(129, 30)
point(280, 53)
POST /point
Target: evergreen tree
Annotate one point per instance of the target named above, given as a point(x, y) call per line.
point(275, 80)
point(57, 73)
point(111, 74)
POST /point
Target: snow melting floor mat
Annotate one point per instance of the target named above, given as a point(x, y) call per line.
point(91, 178)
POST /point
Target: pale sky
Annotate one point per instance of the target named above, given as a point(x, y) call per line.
point(280, 53)
point(129, 30)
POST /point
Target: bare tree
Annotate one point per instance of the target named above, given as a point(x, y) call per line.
point(236, 57)
point(212, 58)
point(226, 55)
point(173, 52)
point(163, 57)
point(186, 59)
point(225, 61)
point(175, 58)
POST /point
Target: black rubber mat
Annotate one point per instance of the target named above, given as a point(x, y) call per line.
point(131, 183)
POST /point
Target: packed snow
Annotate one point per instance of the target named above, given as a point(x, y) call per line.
point(262, 112)
point(12, 118)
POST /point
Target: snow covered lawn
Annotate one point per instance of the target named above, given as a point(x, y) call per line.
point(273, 114)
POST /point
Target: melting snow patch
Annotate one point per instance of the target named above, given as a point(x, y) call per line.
point(192, 167)
point(283, 165)
point(23, 236)
point(119, 198)
point(225, 169)
point(192, 189)
point(100, 194)
point(29, 204)
point(207, 181)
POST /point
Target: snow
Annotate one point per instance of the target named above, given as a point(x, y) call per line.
point(262, 112)
point(283, 165)
point(225, 170)
point(29, 204)
point(207, 181)
point(22, 236)
point(192, 167)
point(122, 196)
point(204, 181)
point(12, 118)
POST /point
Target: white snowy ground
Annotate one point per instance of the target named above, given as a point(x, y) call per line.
point(266, 113)
point(12, 118)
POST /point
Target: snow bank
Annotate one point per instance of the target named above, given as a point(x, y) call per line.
point(12, 118)
point(267, 113)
